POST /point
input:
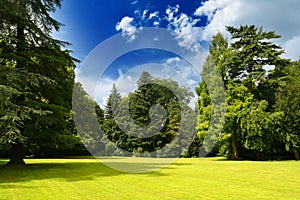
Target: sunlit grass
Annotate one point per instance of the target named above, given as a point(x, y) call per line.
point(209, 178)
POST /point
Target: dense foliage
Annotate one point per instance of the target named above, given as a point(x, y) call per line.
point(261, 89)
point(262, 96)
point(148, 119)
point(36, 80)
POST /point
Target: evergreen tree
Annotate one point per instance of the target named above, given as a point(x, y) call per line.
point(114, 136)
point(252, 50)
point(29, 59)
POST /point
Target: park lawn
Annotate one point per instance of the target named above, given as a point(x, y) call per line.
point(189, 178)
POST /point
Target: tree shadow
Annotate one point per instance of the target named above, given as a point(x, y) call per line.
point(65, 171)
point(142, 165)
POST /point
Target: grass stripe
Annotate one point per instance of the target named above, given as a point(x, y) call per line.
point(209, 178)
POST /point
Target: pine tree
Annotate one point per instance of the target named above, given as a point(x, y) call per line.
point(252, 50)
point(111, 124)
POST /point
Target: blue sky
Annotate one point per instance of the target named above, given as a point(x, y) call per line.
point(89, 22)
point(192, 23)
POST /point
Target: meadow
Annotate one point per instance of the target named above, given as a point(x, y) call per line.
point(188, 178)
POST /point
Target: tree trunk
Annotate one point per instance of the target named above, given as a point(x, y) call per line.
point(17, 154)
point(296, 153)
point(235, 154)
point(17, 149)
point(258, 155)
point(250, 86)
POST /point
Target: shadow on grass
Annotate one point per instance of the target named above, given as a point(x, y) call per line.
point(65, 171)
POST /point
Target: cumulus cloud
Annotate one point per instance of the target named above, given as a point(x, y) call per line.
point(127, 27)
point(173, 60)
point(171, 11)
point(154, 18)
point(276, 15)
point(182, 26)
point(272, 15)
point(209, 8)
point(174, 68)
point(184, 29)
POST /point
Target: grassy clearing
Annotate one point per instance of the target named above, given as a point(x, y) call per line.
point(209, 178)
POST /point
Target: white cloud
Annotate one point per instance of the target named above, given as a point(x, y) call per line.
point(137, 12)
point(120, 73)
point(154, 15)
point(144, 14)
point(155, 23)
point(134, 2)
point(141, 15)
point(171, 11)
point(100, 89)
point(129, 30)
point(99, 92)
point(186, 75)
point(185, 70)
point(220, 14)
point(184, 29)
point(208, 8)
point(272, 15)
point(126, 84)
point(129, 78)
point(174, 68)
point(173, 60)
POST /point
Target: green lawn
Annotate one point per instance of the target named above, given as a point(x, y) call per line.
point(209, 178)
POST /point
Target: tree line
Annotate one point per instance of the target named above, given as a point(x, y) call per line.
point(153, 120)
point(262, 105)
point(37, 80)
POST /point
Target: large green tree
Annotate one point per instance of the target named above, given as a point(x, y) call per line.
point(36, 75)
point(252, 51)
point(251, 123)
point(155, 108)
point(288, 103)
point(149, 119)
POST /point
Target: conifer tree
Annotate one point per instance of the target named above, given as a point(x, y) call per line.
point(29, 59)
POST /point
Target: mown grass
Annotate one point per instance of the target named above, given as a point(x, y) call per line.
point(209, 178)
